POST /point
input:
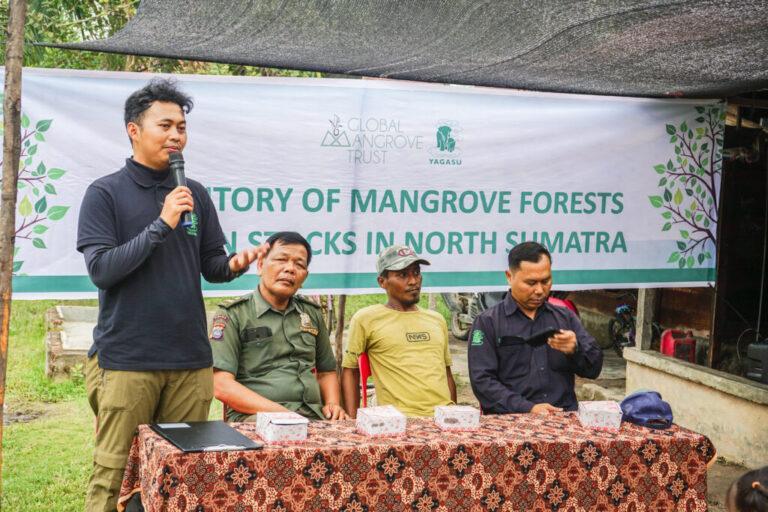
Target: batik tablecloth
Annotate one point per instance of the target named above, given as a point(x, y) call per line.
point(514, 462)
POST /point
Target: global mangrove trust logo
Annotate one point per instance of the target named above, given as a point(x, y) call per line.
point(369, 140)
point(447, 148)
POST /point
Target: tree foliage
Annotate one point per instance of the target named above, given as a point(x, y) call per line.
point(83, 20)
point(688, 183)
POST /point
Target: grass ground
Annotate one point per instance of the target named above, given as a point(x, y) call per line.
point(48, 438)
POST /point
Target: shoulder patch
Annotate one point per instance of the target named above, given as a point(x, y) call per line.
point(226, 304)
point(218, 325)
point(477, 337)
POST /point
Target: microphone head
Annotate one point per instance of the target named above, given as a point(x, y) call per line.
point(175, 157)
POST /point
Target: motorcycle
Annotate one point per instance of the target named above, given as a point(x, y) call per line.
point(465, 307)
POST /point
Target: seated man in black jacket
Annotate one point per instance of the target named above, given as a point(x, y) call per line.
point(509, 372)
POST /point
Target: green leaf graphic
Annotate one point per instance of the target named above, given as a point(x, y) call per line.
point(38, 242)
point(671, 129)
point(17, 265)
point(50, 188)
point(24, 121)
point(57, 212)
point(678, 197)
point(43, 125)
point(660, 168)
point(41, 205)
point(673, 257)
point(55, 173)
point(40, 229)
point(656, 201)
point(25, 207)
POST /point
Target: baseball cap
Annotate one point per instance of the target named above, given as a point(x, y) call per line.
point(647, 409)
point(397, 257)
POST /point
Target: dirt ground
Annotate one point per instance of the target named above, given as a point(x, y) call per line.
point(720, 475)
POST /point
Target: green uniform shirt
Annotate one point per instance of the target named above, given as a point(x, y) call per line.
point(273, 352)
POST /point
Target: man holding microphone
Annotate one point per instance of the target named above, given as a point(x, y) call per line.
point(151, 359)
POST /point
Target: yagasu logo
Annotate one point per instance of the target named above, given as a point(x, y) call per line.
point(417, 336)
point(369, 140)
point(447, 148)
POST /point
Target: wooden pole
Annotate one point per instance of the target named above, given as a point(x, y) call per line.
point(14, 60)
point(647, 299)
point(339, 342)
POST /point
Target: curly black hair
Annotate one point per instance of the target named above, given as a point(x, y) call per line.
point(158, 89)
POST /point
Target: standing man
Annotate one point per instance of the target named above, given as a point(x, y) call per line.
point(407, 346)
point(267, 343)
point(150, 360)
point(512, 375)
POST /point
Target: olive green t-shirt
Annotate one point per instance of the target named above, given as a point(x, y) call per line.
point(273, 352)
point(408, 352)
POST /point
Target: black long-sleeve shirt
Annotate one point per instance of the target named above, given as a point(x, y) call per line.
point(510, 375)
point(151, 312)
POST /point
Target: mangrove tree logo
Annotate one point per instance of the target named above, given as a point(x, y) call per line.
point(336, 136)
point(688, 185)
point(447, 149)
point(36, 191)
point(369, 140)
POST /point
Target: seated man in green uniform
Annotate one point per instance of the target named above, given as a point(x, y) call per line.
point(407, 346)
point(266, 343)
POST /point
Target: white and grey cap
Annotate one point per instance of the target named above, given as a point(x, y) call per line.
point(397, 257)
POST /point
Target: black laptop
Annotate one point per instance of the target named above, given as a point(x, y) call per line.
point(204, 436)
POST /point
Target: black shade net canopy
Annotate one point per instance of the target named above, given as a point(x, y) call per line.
point(614, 47)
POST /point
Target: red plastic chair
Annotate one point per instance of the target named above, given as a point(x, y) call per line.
point(365, 371)
point(565, 303)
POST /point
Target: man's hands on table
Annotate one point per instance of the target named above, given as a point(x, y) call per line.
point(334, 412)
point(545, 409)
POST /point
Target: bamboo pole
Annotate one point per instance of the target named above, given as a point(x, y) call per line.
point(339, 341)
point(14, 60)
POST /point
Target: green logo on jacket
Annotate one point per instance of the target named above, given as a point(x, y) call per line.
point(192, 229)
point(477, 337)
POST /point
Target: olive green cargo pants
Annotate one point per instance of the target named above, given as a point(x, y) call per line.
point(123, 400)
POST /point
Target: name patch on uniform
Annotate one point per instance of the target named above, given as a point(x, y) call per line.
point(417, 336)
point(218, 324)
point(307, 325)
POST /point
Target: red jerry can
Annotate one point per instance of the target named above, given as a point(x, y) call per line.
point(679, 344)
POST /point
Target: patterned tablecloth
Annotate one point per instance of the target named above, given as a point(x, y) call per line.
point(514, 462)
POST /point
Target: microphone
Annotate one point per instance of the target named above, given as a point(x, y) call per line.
point(176, 162)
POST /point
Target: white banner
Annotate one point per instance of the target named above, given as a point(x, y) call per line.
point(623, 191)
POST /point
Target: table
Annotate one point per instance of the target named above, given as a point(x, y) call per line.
point(514, 462)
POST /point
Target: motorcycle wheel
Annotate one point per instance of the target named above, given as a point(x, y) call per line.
point(459, 329)
point(617, 334)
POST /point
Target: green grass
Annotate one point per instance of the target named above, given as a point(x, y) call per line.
point(47, 462)
point(47, 459)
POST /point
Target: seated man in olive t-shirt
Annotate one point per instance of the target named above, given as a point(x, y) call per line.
point(407, 346)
